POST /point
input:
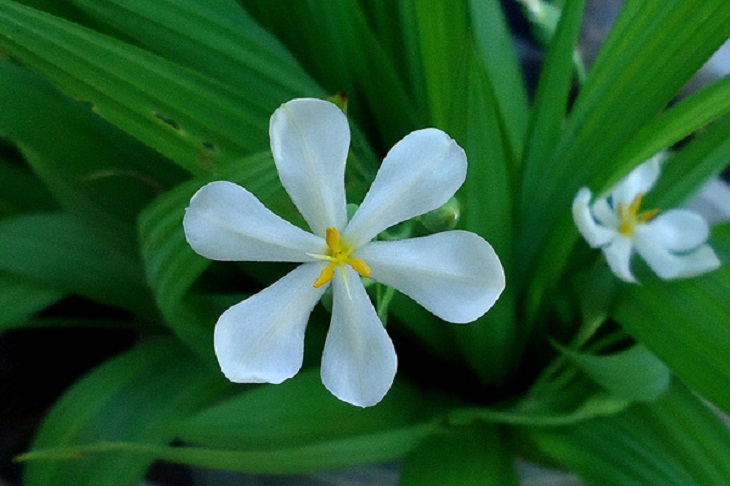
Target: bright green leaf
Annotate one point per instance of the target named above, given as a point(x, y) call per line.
point(634, 373)
point(193, 119)
point(217, 38)
point(687, 324)
point(676, 440)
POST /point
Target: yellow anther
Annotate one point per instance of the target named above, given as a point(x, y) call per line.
point(338, 255)
point(359, 265)
point(327, 273)
point(332, 237)
point(630, 216)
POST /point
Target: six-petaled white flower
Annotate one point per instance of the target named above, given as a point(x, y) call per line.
point(672, 243)
point(455, 274)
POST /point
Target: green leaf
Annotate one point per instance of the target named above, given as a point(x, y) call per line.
point(22, 191)
point(634, 373)
point(561, 395)
point(704, 157)
point(551, 100)
point(377, 85)
point(217, 38)
point(495, 48)
point(667, 41)
point(342, 50)
point(679, 121)
point(475, 121)
point(55, 251)
point(131, 397)
point(687, 324)
point(489, 344)
point(674, 441)
point(293, 427)
point(461, 456)
point(20, 299)
point(301, 412)
point(95, 171)
point(445, 50)
point(193, 119)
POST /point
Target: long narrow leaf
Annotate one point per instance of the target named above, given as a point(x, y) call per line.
point(674, 441)
point(193, 119)
point(461, 456)
point(666, 42)
point(56, 251)
point(495, 46)
point(217, 38)
point(551, 101)
point(96, 172)
point(687, 324)
point(132, 397)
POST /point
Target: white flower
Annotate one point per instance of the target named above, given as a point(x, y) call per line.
point(456, 274)
point(673, 243)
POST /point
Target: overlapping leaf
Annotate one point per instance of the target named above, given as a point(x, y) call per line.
point(191, 118)
point(675, 440)
point(94, 171)
point(56, 252)
point(686, 324)
point(132, 397)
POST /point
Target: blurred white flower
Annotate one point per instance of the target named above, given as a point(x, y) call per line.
point(673, 243)
point(455, 274)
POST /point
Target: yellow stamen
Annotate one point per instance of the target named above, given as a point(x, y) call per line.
point(630, 216)
point(339, 255)
point(327, 273)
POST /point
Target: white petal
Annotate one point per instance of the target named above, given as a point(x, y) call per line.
point(618, 256)
point(593, 233)
point(677, 229)
point(604, 214)
point(310, 139)
point(261, 340)
point(700, 261)
point(359, 361)
point(419, 174)
point(226, 222)
point(639, 181)
point(668, 265)
point(456, 275)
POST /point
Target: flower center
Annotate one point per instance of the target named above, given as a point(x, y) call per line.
point(338, 255)
point(629, 216)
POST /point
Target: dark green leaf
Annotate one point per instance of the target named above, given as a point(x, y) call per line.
point(131, 397)
point(20, 299)
point(21, 191)
point(55, 251)
point(95, 171)
point(302, 412)
point(461, 456)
